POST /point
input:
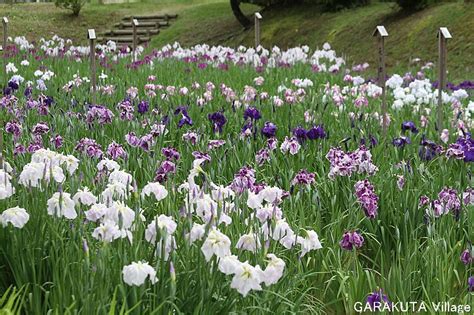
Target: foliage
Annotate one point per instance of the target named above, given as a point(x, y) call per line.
point(73, 5)
point(335, 5)
point(410, 5)
point(11, 301)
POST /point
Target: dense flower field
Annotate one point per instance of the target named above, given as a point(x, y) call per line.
point(212, 180)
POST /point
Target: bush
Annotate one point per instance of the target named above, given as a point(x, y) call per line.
point(341, 4)
point(74, 5)
point(410, 5)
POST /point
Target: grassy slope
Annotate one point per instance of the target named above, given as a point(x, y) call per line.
point(349, 32)
point(211, 21)
point(36, 20)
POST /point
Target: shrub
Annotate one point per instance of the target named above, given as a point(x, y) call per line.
point(341, 4)
point(74, 5)
point(410, 5)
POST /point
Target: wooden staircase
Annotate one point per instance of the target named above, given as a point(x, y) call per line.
point(148, 26)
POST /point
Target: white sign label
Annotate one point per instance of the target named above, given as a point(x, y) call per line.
point(380, 30)
point(91, 33)
point(445, 32)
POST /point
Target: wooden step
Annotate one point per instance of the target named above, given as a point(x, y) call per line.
point(161, 22)
point(147, 32)
point(142, 25)
point(128, 39)
point(151, 17)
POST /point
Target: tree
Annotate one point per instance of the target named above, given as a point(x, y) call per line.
point(235, 5)
point(73, 5)
point(327, 4)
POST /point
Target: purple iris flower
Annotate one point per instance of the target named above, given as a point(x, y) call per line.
point(165, 120)
point(377, 298)
point(201, 156)
point(143, 107)
point(132, 139)
point(7, 90)
point(409, 125)
point(28, 91)
point(401, 141)
point(252, 113)
point(170, 153)
point(304, 178)
point(429, 149)
point(372, 140)
point(466, 257)
point(57, 141)
point(351, 240)
point(316, 132)
point(466, 144)
point(162, 172)
point(14, 128)
point(13, 85)
point(367, 198)
point(19, 149)
point(269, 129)
point(40, 128)
point(185, 120)
point(218, 121)
point(470, 283)
point(34, 146)
point(300, 133)
point(116, 151)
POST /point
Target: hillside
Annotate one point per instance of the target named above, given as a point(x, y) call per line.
point(349, 32)
point(212, 22)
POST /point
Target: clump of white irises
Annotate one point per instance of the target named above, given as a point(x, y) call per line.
point(215, 208)
point(47, 165)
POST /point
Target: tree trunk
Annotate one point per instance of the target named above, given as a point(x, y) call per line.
point(235, 5)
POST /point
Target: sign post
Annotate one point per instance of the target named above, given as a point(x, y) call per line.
point(92, 38)
point(380, 32)
point(134, 43)
point(443, 36)
point(258, 18)
point(4, 48)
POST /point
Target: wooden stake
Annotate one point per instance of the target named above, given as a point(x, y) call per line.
point(443, 36)
point(134, 44)
point(381, 33)
point(258, 18)
point(4, 48)
point(92, 37)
